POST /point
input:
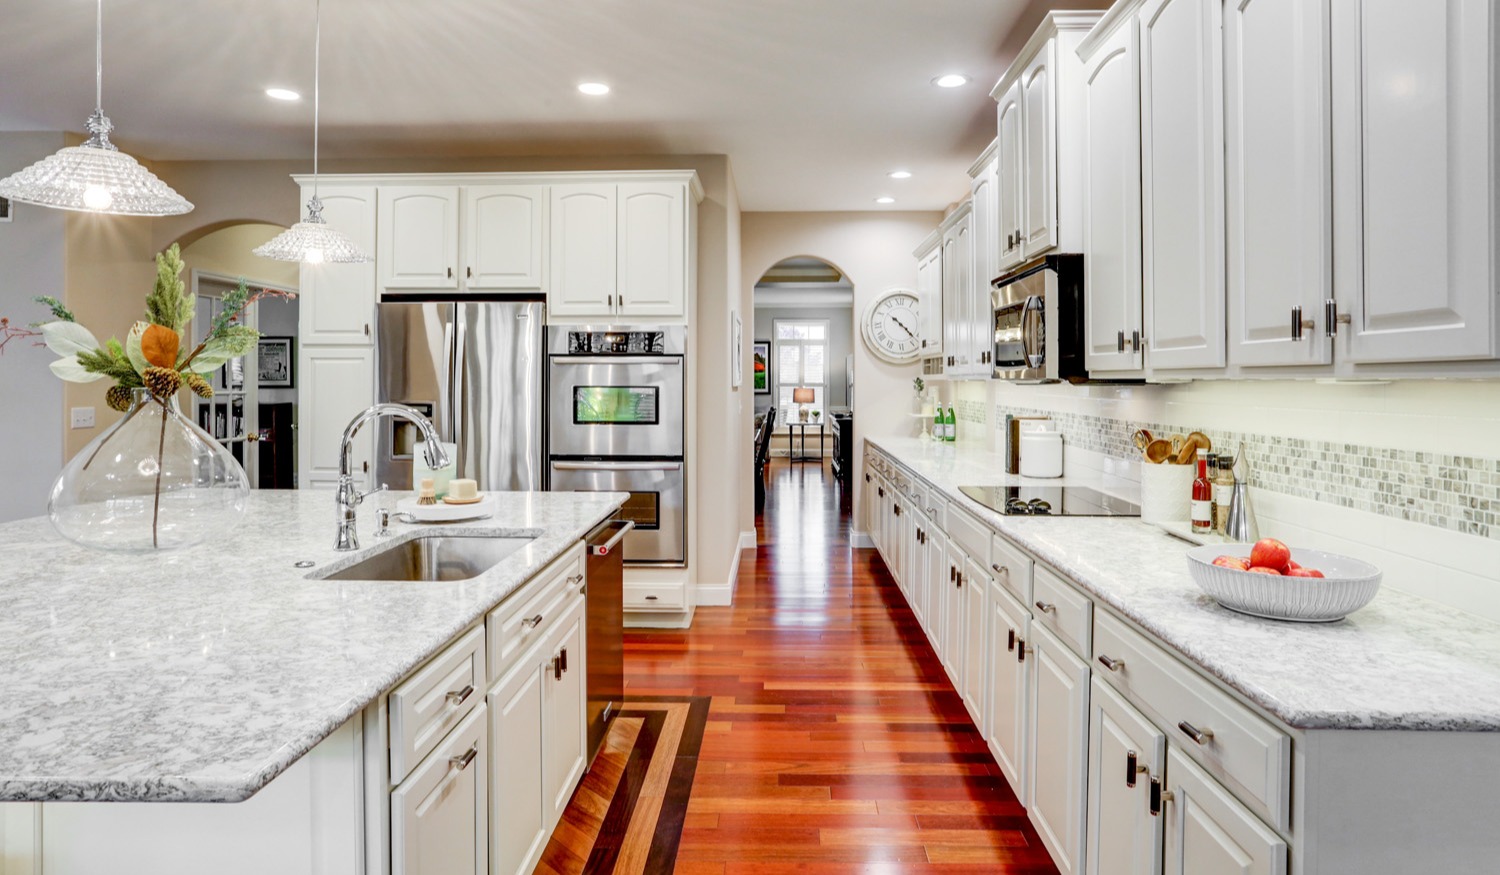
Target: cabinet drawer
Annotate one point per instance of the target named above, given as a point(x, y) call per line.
point(434, 700)
point(970, 534)
point(1011, 568)
point(1247, 753)
point(515, 624)
point(655, 596)
point(1062, 609)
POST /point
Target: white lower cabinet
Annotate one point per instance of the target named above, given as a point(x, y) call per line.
point(1006, 699)
point(564, 740)
point(518, 822)
point(976, 610)
point(1125, 752)
point(937, 582)
point(1208, 832)
point(1058, 729)
point(439, 818)
point(952, 648)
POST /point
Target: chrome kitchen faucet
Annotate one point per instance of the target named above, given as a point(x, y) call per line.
point(348, 497)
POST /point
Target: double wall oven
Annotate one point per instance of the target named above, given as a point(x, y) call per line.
point(616, 425)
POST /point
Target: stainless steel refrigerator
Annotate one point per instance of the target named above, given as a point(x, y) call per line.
point(477, 369)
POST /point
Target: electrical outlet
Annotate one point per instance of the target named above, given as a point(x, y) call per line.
point(83, 417)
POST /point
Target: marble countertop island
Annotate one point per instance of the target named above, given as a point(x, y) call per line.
point(1402, 662)
point(200, 675)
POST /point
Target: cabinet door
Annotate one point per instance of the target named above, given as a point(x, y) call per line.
point(519, 814)
point(976, 598)
point(1059, 688)
point(1112, 205)
point(1414, 188)
point(897, 539)
point(1182, 182)
point(439, 820)
point(505, 234)
point(1279, 200)
point(565, 731)
point(1006, 703)
point(1039, 171)
point(336, 384)
point(916, 594)
point(1208, 832)
point(985, 256)
point(958, 272)
point(954, 623)
point(418, 237)
point(582, 244)
point(1125, 750)
point(336, 303)
point(652, 250)
point(937, 584)
point(1011, 170)
point(930, 295)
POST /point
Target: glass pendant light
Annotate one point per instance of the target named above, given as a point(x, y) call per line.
point(95, 177)
point(311, 241)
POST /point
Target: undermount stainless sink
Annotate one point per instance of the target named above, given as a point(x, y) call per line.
point(433, 557)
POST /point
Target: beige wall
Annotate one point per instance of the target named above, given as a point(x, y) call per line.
point(874, 250)
point(227, 252)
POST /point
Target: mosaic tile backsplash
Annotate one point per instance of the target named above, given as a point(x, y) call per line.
point(1460, 493)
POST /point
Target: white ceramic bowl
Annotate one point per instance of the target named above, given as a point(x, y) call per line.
point(1347, 585)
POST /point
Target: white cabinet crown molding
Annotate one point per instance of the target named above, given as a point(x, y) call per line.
point(1053, 23)
point(690, 177)
point(984, 158)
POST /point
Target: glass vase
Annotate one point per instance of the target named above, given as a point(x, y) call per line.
point(153, 481)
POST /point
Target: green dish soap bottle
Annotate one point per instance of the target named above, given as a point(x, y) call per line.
point(950, 426)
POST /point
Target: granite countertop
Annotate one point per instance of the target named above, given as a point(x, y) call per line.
point(200, 675)
point(1402, 662)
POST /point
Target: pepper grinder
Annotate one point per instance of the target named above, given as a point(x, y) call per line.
point(1241, 525)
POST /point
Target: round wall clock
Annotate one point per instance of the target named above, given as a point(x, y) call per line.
point(891, 328)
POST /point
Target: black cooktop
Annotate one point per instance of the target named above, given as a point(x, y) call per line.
point(1050, 501)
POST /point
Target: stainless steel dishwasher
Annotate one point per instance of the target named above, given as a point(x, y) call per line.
point(605, 625)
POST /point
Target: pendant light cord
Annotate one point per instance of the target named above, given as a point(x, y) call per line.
point(99, 57)
point(317, 75)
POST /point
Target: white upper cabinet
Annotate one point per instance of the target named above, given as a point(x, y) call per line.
point(1279, 189)
point(930, 294)
point(584, 221)
point(1038, 220)
point(418, 246)
point(653, 241)
point(505, 237)
point(1112, 203)
point(1182, 181)
point(958, 273)
point(337, 301)
point(1010, 170)
point(1414, 140)
point(984, 187)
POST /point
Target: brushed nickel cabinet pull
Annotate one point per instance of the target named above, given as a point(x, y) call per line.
point(457, 697)
point(1199, 736)
point(459, 763)
point(450, 273)
point(1001, 569)
point(532, 622)
point(1111, 664)
point(1046, 608)
point(1131, 768)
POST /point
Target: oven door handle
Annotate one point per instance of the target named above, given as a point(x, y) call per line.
point(617, 466)
point(617, 360)
point(1035, 355)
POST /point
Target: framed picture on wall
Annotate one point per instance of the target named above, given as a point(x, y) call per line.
point(762, 365)
point(273, 363)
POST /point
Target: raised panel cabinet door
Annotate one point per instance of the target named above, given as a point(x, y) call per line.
point(1208, 832)
point(336, 302)
point(1112, 205)
point(1182, 182)
point(963, 233)
point(954, 624)
point(581, 265)
point(1011, 170)
point(518, 810)
point(418, 237)
point(930, 294)
point(1039, 176)
point(1125, 751)
point(937, 583)
point(505, 237)
point(1279, 188)
point(976, 623)
point(1006, 700)
point(916, 596)
point(439, 814)
point(336, 384)
point(1058, 767)
point(985, 255)
point(565, 731)
point(653, 261)
point(1414, 146)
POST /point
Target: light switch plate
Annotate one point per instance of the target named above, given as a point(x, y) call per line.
point(83, 417)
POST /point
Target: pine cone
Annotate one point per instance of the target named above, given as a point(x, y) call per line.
point(119, 398)
point(198, 385)
point(163, 382)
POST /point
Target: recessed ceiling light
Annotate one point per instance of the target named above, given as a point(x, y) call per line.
point(282, 94)
point(594, 89)
point(885, 200)
point(899, 174)
point(952, 80)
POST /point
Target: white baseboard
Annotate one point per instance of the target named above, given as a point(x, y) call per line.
point(748, 540)
point(861, 541)
point(722, 594)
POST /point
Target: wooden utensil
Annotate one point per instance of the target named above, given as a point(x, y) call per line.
point(1158, 451)
point(1142, 439)
point(1188, 453)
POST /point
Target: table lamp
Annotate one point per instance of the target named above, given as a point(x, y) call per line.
point(802, 396)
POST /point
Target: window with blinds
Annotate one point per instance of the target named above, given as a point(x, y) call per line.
point(801, 362)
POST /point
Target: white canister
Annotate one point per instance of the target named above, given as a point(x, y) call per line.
point(1041, 454)
point(1166, 493)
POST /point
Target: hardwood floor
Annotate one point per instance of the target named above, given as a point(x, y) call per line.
point(834, 742)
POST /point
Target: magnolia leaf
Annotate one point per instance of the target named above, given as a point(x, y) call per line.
point(69, 369)
point(159, 346)
point(221, 349)
point(68, 339)
point(133, 349)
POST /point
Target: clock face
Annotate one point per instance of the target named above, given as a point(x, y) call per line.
point(891, 328)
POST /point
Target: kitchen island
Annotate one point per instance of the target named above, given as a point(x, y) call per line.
point(201, 676)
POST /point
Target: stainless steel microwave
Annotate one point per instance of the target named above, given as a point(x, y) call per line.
point(1038, 321)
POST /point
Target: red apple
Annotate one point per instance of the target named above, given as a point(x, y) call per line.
point(1270, 553)
point(1304, 572)
point(1234, 562)
point(1291, 565)
point(1261, 569)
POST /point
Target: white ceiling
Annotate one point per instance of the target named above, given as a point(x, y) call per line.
point(813, 100)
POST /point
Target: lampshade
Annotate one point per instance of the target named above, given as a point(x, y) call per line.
point(802, 396)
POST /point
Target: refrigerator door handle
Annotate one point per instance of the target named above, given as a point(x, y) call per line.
point(445, 409)
point(460, 351)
